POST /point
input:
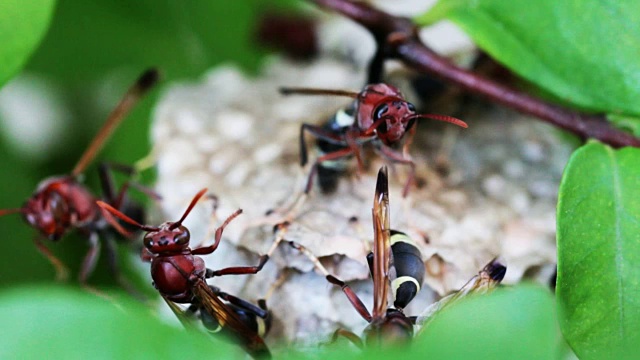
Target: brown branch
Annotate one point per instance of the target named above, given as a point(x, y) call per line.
point(397, 38)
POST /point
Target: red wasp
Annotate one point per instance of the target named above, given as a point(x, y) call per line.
point(63, 203)
point(180, 277)
point(392, 250)
point(379, 115)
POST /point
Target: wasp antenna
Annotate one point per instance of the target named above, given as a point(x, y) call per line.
point(312, 91)
point(445, 118)
point(4, 212)
point(191, 205)
point(128, 101)
point(124, 217)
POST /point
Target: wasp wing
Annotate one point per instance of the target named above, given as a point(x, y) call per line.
point(228, 320)
point(381, 245)
point(485, 281)
point(180, 314)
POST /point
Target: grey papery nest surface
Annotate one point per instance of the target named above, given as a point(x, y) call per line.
point(237, 136)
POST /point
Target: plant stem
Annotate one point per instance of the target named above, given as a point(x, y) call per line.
point(397, 37)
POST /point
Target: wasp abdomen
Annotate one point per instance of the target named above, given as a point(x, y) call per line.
point(409, 269)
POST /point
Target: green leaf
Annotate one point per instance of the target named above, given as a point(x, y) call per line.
point(509, 323)
point(64, 323)
point(89, 39)
point(23, 23)
point(627, 123)
point(598, 286)
point(584, 52)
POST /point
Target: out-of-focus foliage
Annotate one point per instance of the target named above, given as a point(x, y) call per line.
point(22, 25)
point(599, 252)
point(91, 53)
point(88, 39)
point(627, 123)
point(584, 52)
point(510, 323)
point(64, 323)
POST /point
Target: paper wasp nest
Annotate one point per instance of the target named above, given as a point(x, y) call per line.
point(237, 136)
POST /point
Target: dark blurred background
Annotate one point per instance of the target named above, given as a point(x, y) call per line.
point(92, 52)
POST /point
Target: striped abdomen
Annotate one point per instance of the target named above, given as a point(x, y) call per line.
point(409, 266)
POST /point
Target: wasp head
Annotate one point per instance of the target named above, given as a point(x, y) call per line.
point(49, 213)
point(383, 107)
point(170, 237)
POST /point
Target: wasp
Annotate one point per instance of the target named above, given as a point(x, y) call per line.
point(62, 203)
point(379, 115)
point(396, 267)
point(180, 276)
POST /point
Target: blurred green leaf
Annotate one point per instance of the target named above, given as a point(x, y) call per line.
point(599, 252)
point(89, 39)
point(509, 323)
point(628, 123)
point(63, 323)
point(22, 25)
point(584, 52)
point(91, 53)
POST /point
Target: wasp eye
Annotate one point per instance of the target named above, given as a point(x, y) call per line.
point(380, 111)
point(182, 238)
point(148, 242)
point(411, 107)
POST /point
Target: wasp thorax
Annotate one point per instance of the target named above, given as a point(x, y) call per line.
point(169, 238)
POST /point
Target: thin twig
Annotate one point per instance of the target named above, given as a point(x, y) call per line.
point(397, 37)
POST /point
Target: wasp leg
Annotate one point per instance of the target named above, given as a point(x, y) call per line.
point(353, 338)
point(280, 230)
point(90, 259)
point(351, 295)
point(112, 260)
point(319, 133)
point(397, 157)
point(106, 170)
point(350, 138)
point(290, 208)
point(218, 236)
point(326, 157)
point(239, 270)
point(89, 264)
point(62, 272)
